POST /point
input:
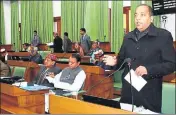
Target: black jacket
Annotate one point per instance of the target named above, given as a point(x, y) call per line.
point(57, 45)
point(154, 51)
point(40, 77)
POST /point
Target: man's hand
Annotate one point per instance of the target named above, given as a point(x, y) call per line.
point(51, 74)
point(141, 70)
point(110, 60)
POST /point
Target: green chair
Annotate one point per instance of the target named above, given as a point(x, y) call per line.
point(44, 53)
point(19, 71)
point(168, 98)
point(118, 80)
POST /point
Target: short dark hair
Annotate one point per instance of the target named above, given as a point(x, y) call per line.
point(149, 8)
point(26, 44)
point(83, 29)
point(77, 57)
point(66, 34)
point(35, 31)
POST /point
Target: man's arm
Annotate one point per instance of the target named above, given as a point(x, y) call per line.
point(77, 84)
point(168, 56)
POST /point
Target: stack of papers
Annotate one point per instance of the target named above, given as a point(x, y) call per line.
point(138, 82)
point(35, 88)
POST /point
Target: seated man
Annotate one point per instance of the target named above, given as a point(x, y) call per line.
point(34, 55)
point(71, 79)
point(95, 50)
point(49, 69)
point(4, 69)
point(26, 47)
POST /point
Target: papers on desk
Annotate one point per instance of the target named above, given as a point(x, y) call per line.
point(24, 85)
point(138, 82)
point(140, 110)
point(49, 44)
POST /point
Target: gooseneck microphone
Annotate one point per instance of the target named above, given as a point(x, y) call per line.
point(127, 60)
point(132, 100)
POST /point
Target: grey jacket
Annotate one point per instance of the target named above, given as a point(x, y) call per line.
point(35, 41)
point(40, 77)
point(4, 69)
point(85, 43)
point(67, 44)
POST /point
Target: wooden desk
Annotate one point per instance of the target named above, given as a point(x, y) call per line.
point(33, 101)
point(43, 47)
point(64, 105)
point(94, 75)
point(170, 78)
point(31, 68)
point(20, 54)
point(8, 47)
point(105, 46)
point(67, 56)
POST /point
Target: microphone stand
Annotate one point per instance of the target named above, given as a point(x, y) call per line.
point(129, 65)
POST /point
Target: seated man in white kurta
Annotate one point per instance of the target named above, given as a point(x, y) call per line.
point(71, 79)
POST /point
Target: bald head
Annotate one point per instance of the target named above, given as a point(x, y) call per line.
point(143, 17)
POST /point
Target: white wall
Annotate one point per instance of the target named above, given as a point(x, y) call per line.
point(7, 21)
point(56, 8)
point(169, 24)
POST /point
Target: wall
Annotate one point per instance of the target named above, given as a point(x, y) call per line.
point(169, 24)
point(7, 21)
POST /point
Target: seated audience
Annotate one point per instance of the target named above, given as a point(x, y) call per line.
point(95, 51)
point(71, 79)
point(78, 49)
point(67, 44)
point(101, 64)
point(4, 68)
point(26, 47)
point(34, 55)
point(48, 69)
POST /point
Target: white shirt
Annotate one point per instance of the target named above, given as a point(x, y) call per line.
point(75, 87)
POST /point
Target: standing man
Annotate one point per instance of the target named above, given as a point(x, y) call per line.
point(35, 41)
point(57, 44)
point(67, 44)
point(85, 40)
point(152, 53)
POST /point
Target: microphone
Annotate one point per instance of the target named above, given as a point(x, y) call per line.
point(129, 66)
point(127, 60)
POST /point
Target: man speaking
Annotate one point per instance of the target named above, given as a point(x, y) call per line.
point(152, 53)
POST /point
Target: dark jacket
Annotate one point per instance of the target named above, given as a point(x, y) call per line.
point(67, 44)
point(36, 58)
point(154, 51)
point(40, 77)
point(85, 43)
point(57, 45)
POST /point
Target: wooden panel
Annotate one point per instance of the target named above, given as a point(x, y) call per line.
point(58, 20)
point(64, 105)
point(105, 46)
point(174, 44)
point(20, 54)
point(43, 47)
point(31, 100)
point(170, 78)
point(9, 109)
point(8, 47)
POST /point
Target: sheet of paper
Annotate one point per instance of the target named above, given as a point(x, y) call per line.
point(49, 44)
point(137, 81)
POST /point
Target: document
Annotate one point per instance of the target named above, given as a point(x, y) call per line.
point(49, 44)
point(138, 82)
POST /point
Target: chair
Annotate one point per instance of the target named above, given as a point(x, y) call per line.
point(168, 98)
point(75, 95)
point(19, 71)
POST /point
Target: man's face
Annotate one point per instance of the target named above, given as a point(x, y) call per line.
point(73, 63)
point(35, 33)
point(76, 46)
point(142, 18)
point(81, 32)
point(94, 46)
point(48, 62)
